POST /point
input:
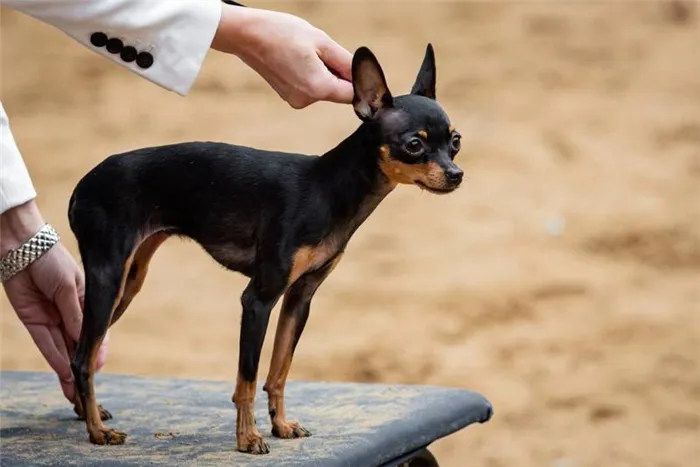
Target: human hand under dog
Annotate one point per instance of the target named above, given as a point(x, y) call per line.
point(293, 56)
point(47, 295)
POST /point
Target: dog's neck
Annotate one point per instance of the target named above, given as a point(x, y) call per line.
point(352, 178)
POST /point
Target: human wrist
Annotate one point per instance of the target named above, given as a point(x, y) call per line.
point(239, 30)
point(229, 31)
point(19, 224)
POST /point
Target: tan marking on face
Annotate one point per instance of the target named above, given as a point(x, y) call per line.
point(423, 134)
point(433, 176)
point(398, 172)
point(452, 128)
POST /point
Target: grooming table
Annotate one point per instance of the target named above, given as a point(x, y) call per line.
point(173, 422)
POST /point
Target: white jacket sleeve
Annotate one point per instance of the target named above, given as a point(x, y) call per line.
point(171, 38)
point(164, 41)
point(15, 184)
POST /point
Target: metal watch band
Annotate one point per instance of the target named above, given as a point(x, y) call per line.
point(18, 259)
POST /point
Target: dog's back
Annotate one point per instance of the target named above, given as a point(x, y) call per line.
point(182, 187)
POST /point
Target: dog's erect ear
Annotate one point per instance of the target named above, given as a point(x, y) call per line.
point(425, 81)
point(369, 84)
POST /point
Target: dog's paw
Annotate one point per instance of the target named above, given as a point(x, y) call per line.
point(107, 436)
point(289, 429)
point(254, 444)
point(104, 413)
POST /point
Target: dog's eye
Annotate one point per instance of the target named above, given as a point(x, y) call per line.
point(456, 142)
point(414, 146)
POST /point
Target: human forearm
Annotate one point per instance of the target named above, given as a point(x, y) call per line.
point(19, 224)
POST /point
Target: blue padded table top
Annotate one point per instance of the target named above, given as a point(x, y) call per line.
point(177, 422)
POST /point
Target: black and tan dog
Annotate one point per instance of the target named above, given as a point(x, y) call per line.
point(281, 219)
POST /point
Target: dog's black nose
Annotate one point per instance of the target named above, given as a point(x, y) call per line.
point(454, 175)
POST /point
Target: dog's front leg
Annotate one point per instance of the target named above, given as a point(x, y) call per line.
point(292, 319)
point(258, 300)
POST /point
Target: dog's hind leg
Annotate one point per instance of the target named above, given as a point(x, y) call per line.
point(290, 325)
point(105, 266)
point(132, 286)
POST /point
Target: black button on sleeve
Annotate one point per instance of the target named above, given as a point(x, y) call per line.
point(144, 60)
point(114, 46)
point(129, 54)
point(98, 39)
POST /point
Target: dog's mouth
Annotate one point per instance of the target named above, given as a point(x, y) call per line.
point(435, 190)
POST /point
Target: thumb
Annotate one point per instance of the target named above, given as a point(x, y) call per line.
point(68, 303)
point(57, 358)
point(340, 92)
point(337, 58)
point(338, 61)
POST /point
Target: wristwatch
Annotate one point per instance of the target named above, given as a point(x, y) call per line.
point(18, 259)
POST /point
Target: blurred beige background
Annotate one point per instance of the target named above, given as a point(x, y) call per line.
point(562, 280)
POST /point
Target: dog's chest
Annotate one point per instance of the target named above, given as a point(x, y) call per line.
point(310, 258)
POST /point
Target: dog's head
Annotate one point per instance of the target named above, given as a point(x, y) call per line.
point(417, 142)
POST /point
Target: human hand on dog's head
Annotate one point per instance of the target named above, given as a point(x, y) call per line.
point(294, 57)
point(47, 296)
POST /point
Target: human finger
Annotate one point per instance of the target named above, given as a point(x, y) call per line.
point(60, 364)
point(338, 91)
point(337, 58)
point(68, 305)
point(66, 379)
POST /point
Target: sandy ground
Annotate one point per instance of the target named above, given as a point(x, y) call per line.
point(561, 281)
